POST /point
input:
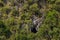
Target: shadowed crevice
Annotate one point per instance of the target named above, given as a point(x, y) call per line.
point(33, 29)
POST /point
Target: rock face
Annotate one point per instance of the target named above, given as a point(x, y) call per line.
point(37, 23)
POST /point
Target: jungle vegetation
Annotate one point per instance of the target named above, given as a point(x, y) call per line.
point(17, 19)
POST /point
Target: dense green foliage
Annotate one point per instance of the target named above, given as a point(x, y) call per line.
point(16, 19)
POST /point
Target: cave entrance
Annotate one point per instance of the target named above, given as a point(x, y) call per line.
point(33, 29)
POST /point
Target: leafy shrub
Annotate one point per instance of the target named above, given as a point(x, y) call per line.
point(34, 7)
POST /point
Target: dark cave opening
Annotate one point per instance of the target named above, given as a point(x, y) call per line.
point(33, 29)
